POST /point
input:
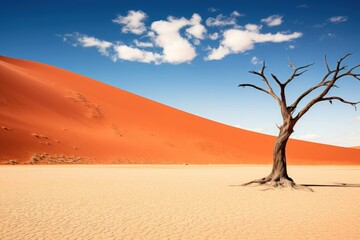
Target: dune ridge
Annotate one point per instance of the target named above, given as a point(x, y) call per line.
point(50, 115)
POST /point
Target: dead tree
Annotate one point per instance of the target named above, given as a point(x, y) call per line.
point(279, 176)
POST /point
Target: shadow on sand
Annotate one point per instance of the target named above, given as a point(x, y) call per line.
point(309, 186)
point(332, 185)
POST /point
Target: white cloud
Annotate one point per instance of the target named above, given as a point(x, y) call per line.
point(173, 40)
point(218, 53)
point(291, 46)
point(176, 49)
point(253, 27)
point(236, 14)
point(164, 34)
point(197, 29)
point(143, 44)
point(254, 60)
point(277, 37)
point(273, 20)
point(221, 20)
point(135, 54)
point(338, 19)
point(239, 41)
point(86, 41)
point(133, 22)
point(358, 118)
point(214, 36)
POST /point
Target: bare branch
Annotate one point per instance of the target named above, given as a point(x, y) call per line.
point(327, 75)
point(263, 68)
point(327, 65)
point(338, 66)
point(306, 66)
point(353, 68)
point(296, 73)
point(256, 87)
point(307, 92)
point(256, 73)
point(342, 59)
point(270, 91)
point(276, 80)
point(329, 84)
point(262, 75)
point(282, 90)
point(339, 99)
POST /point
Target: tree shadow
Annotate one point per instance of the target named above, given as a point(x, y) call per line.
point(332, 185)
point(311, 185)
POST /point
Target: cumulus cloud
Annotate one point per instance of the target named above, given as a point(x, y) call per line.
point(273, 20)
point(253, 27)
point(164, 34)
point(197, 29)
point(177, 49)
point(85, 41)
point(124, 52)
point(143, 44)
point(214, 36)
point(338, 19)
point(255, 61)
point(221, 20)
point(242, 40)
point(133, 22)
point(174, 40)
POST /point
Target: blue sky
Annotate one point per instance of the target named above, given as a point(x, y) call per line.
point(191, 55)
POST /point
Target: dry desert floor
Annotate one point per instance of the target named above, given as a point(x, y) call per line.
point(176, 202)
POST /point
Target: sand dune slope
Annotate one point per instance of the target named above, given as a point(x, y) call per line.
point(49, 115)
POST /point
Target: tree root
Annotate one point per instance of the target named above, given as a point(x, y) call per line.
point(274, 183)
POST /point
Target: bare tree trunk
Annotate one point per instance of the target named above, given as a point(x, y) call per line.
point(279, 169)
point(279, 176)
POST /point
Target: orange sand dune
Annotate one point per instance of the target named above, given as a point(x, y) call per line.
point(49, 115)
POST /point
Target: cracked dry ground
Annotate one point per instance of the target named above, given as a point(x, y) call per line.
point(174, 202)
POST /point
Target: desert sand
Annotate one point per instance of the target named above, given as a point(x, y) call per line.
point(50, 115)
point(175, 202)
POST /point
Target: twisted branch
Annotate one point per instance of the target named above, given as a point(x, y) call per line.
point(339, 99)
point(328, 82)
point(270, 91)
point(296, 73)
